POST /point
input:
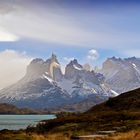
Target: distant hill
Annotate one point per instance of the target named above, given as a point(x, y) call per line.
point(120, 113)
point(11, 109)
point(80, 106)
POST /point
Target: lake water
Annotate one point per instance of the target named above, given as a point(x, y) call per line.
point(16, 122)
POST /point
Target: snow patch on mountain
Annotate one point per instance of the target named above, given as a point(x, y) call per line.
point(115, 93)
point(77, 68)
point(48, 78)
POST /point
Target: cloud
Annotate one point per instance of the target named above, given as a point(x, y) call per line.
point(92, 54)
point(51, 28)
point(12, 66)
point(57, 24)
point(73, 27)
point(7, 37)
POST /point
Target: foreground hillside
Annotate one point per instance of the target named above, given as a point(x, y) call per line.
point(121, 113)
point(129, 101)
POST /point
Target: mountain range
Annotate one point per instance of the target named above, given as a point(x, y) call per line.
point(45, 86)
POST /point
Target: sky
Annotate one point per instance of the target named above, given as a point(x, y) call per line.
point(88, 30)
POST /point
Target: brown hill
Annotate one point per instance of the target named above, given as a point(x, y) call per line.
point(129, 101)
point(11, 109)
point(121, 113)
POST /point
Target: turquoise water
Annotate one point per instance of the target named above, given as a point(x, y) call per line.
point(16, 122)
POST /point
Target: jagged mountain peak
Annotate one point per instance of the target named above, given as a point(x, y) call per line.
point(75, 65)
point(40, 68)
point(37, 60)
point(115, 59)
point(74, 62)
point(54, 58)
point(131, 58)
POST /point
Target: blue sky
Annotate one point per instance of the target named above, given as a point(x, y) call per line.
point(71, 28)
point(89, 30)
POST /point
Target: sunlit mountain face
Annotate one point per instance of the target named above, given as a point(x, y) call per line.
point(90, 31)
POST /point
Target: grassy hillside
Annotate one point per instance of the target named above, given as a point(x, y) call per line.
point(129, 101)
point(121, 113)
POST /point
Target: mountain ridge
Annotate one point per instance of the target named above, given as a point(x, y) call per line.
point(45, 86)
point(122, 74)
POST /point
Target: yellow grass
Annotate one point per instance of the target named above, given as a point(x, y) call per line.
point(132, 135)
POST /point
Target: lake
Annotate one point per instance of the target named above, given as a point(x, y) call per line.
point(16, 122)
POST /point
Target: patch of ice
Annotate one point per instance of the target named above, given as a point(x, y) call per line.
point(46, 73)
point(114, 92)
point(48, 78)
point(137, 70)
point(135, 67)
point(77, 67)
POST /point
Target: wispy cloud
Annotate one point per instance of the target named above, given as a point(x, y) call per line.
point(12, 66)
point(57, 24)
point(98, 27)
point(7, 37)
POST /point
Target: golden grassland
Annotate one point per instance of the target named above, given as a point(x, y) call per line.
point(130, 135)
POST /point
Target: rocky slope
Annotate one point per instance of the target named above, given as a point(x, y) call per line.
point(122, 74)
